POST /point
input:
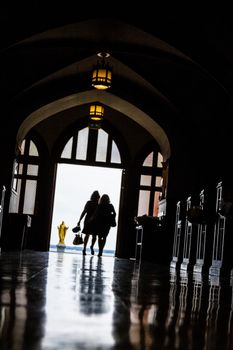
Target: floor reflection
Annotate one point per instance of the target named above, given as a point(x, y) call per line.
point(79, 303)
point(148, 307)
point(21, 302)
point(68, 301)
point(93, 294)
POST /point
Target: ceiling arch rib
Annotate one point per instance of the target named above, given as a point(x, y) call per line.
point(141, 118)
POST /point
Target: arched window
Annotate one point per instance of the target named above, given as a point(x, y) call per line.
point(24, 185)
point(151, 182)
point(93, 147)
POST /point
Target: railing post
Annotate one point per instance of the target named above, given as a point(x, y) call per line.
point(178, 235)
point(201, 239)
point(219, 235)
point(189, 241)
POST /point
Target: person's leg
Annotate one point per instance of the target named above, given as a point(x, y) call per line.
point(92, 244)
point(99, 244)
point(85, 244)
point(101, 241)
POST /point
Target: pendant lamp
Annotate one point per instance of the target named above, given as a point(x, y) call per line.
point(102, 73)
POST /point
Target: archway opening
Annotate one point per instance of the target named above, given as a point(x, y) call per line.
point(74, 185)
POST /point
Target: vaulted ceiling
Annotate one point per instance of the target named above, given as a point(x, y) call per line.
point(175, 67)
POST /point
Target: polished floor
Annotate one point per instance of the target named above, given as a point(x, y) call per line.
point(56, 300)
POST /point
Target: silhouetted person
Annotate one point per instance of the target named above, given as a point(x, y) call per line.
point(88, 211)
point(102, 221)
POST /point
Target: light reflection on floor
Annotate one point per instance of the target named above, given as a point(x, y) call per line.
point(78, 299)
point(65, 301)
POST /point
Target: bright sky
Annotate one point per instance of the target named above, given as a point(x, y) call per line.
point(74, 187)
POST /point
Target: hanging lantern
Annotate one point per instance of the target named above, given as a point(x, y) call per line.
point(102, 73)
point(96, 116)
point(96, 112)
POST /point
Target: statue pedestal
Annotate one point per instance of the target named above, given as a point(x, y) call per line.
point(61, 247)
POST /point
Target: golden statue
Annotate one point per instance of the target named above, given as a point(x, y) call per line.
point(62, 232)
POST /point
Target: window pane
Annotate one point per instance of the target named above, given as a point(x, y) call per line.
point(115, 156)
point(101, 149)
point(156, 204)
point(158, 181)
point(15, 181)
point(81, 152)
point(159, 160)
point(67, 149)
point(149, 160)
point(33, 149)
point(143, 203)
point(20, 169)
point(145, 180)
point(32, 169)
point(14, 200)
point(30, 196)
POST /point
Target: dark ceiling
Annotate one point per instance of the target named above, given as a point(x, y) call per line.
point(175, 64)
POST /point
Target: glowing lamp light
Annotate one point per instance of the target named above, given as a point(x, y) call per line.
point(96, 112)
point(102, 73)
point(96, 116)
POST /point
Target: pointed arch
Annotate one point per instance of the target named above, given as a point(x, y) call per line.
point(106, 98)
point(94, 147)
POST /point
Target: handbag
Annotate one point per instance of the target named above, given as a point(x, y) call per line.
point(76, 229)
point(78, 239)
point(112, 220)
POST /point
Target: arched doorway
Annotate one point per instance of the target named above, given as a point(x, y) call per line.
point(91, 157)
point(74, 186)
point(69, 152)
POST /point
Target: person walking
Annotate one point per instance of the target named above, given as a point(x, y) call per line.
point(102, 220)
point(88, 212)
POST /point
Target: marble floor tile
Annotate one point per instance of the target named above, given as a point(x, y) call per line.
point(57, 300)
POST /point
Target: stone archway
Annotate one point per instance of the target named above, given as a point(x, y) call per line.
point(106, 98)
